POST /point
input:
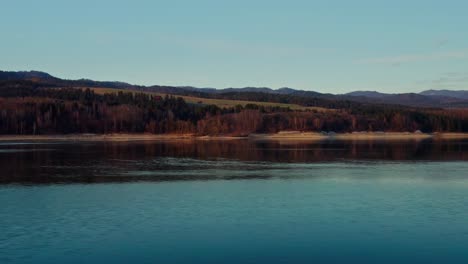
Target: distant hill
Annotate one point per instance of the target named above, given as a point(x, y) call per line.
point(27, 75)
point(49, 80)
point(446, 93)
point(429, 98)
point(370, 94)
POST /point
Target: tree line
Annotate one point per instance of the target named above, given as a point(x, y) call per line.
point(26, 109)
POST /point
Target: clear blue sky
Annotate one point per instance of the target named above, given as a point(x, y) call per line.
point(327, 46)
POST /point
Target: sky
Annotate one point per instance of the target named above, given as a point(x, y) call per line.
point(327, 46)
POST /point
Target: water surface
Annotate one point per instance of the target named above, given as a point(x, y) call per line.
point(234, 202)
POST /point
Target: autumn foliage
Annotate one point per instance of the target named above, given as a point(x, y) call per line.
point(31, 110)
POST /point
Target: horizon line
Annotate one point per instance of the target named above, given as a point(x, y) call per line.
point(225, 88)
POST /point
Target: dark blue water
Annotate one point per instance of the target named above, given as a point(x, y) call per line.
point(241, 203)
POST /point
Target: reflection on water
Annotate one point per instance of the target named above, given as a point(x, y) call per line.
point(188, 202)
point(180, 160)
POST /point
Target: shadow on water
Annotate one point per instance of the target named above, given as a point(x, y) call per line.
point(202, 160)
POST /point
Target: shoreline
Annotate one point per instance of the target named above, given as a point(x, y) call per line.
point(282, 136)
point(309, 136)
point(342, 136)
point(97, 137)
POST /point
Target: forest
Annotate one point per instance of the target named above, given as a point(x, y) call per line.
point(29, 109)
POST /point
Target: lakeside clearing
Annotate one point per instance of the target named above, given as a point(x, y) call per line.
point(282, 136)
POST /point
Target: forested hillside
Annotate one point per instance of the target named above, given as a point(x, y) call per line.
point(27, 107)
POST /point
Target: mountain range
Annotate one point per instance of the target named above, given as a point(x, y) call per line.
point(428, 98)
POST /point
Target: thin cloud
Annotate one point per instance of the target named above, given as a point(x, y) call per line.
point(210, 44)
point(397, 60)
point(441, 43)
point(449, 80)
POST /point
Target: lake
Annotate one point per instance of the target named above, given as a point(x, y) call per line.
point(234, 202)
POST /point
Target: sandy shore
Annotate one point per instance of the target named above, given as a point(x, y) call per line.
point(283, 136)
point(289, 136)
point(299, 136)
point(450, 135)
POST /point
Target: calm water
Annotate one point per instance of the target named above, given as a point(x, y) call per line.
point(234, 202)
